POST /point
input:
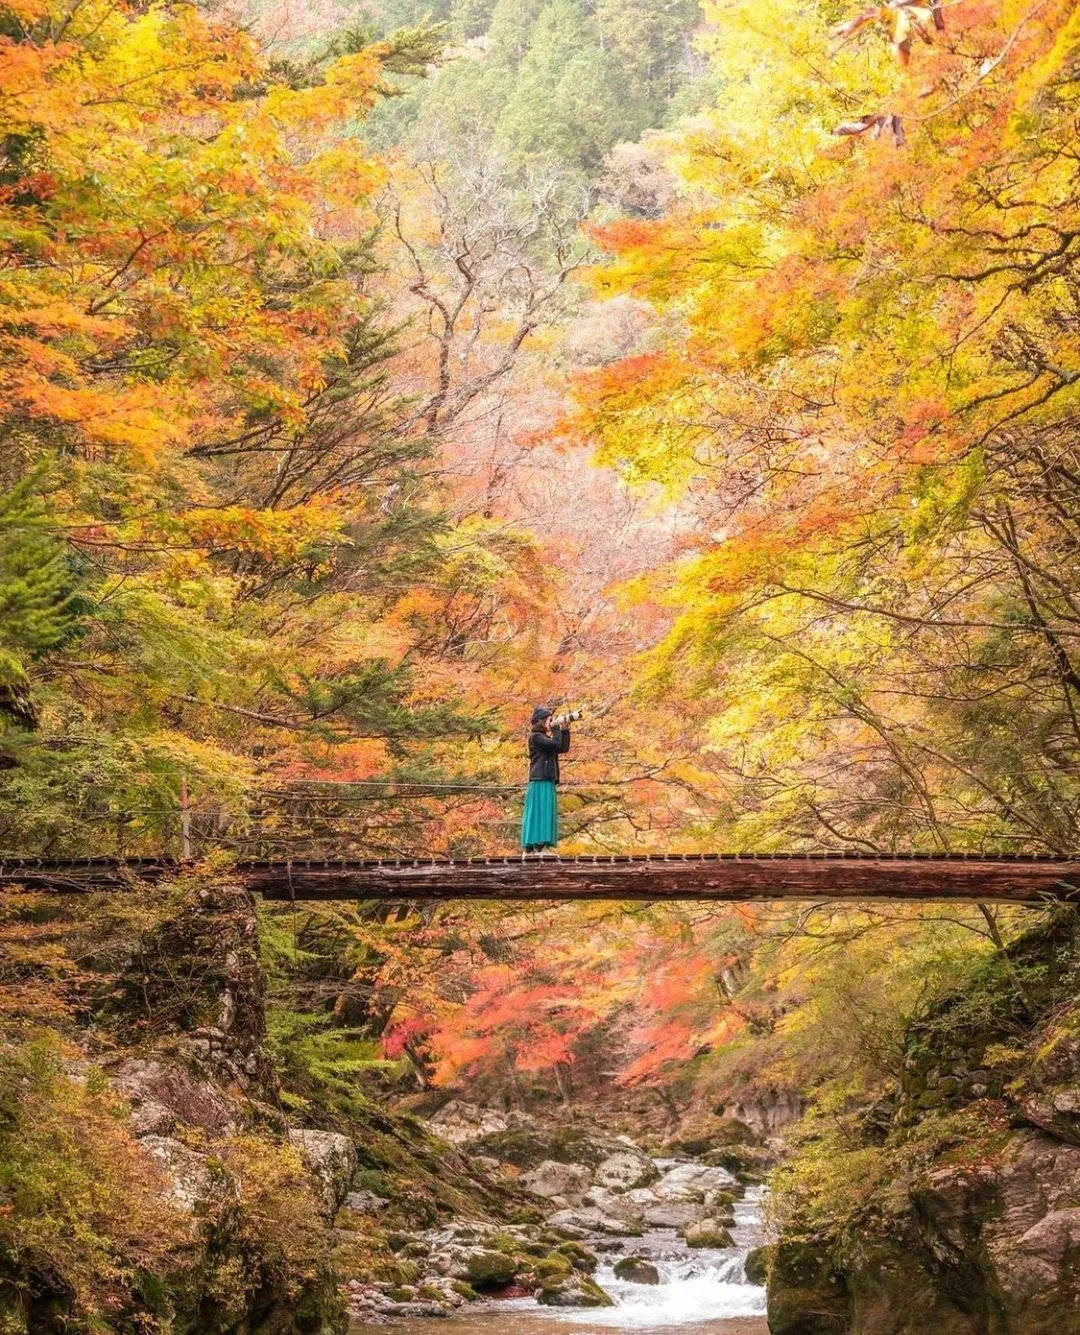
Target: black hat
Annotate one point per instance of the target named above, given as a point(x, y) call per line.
point(540, 713)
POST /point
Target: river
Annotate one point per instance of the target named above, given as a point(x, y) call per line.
point(701, 1292)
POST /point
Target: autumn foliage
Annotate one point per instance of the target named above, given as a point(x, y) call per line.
point(857, 379)
point(237, 549)
point(293, 495)
point(863, 377)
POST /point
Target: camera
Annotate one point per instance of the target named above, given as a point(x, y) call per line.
point(571, 716)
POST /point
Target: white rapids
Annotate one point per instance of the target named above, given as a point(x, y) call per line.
point(696, 1285)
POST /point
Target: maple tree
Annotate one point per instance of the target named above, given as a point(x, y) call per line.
point(874, 423)
point(195, 380)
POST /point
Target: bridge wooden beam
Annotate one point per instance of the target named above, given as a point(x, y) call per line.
point(721, 880)
point(717, 877)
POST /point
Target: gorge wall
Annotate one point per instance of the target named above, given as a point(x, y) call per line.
point(952, 1204)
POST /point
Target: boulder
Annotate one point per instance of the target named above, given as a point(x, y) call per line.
point(579, 1257)
point(330, 1158)
point(486, 1270)
point(636, 1270)
point(1057, 1113)
point(708, 1233)
point(188, 1175)
point(442, 1290)
point(745, 1163)
point(1044, 1258)
point(984, 1240)
point(573, 1291)
point(475, 1253)
point(581, 1222)
point(164, 1096)
point(756, 1265)
point(548, 1267)
point(992, 1244)
point(615, 1204)
point(720, 1202)
point(526, 1143)
point(807, 1295)
point(563, 1181)
point(459, 1122)
point(626, 1170)
point(710, 1133)
point(690, 1182)
point(768, 1113)
point(1032, 1232)
point(467, 1233)
point(364, 1202)
point(672, 1214)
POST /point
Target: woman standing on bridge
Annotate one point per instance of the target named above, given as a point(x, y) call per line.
point(547, 742)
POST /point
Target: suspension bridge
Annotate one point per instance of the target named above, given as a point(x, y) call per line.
point(724, 877)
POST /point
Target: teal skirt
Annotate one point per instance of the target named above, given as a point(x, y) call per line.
point(540, 824)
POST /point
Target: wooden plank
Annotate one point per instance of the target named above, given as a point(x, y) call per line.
point(716, 877)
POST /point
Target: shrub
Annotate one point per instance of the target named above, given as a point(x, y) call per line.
point(82, 1215)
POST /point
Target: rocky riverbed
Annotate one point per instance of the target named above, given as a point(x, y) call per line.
point(485, 1321)
point(625, 1240)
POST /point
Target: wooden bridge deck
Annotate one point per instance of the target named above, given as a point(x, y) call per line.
point(1003, 878)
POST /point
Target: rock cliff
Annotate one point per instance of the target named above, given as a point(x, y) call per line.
point(152, 1170)
point(954, 1206)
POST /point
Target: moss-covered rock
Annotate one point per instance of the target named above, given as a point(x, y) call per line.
point(573, 1291)
point(756, 1265)
point(746, 1163)
point(489, 1269)
point(424, 1181)
point(580, 1257)
point(551, 1266)
point(709, 1132)
point(807, 1293)
point(953, 1204)
point(198, 973)
point(530, 1144)
point(165, 1191)
point(708, 1233)
point(636, 1270)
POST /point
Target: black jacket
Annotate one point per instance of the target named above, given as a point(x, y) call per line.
point(544, 753)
